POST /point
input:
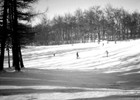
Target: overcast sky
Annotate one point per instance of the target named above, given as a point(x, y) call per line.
point(59, 7)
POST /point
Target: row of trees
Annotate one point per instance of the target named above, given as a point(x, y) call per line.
point(14, 15)
point(89, 25)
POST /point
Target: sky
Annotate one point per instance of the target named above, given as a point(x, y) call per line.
point(60, 7)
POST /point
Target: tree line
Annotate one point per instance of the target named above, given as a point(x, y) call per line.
point(94, 24)
point(15, 32)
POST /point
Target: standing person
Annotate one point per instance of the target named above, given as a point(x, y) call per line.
point(77, 55)
point(54, 54)
point(103, 44)
point(107, 53)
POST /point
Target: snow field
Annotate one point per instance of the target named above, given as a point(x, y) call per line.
point(92, 56)
point(123, 56)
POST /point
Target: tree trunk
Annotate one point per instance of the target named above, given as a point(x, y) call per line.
point(20, 57)
point(15, 40)
point(2, 55)
point(8, 57)
point(4, 36)
point(99, 37)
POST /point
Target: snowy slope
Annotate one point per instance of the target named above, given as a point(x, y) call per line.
point(123, 57)
point(92, 56)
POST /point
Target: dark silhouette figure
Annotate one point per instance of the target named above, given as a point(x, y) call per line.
point(54, 54)
point(77, 55)
point(103, 44)
point(107, 53)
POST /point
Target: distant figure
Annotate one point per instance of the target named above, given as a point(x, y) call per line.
point(77, 55)
point(54, 54)
point(107, 53)
point(103, 44)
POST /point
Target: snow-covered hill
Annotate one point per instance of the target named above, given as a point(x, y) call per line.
point(68, 78)
point(123, 56)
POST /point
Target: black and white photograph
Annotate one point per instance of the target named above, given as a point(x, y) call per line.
point(69, 49)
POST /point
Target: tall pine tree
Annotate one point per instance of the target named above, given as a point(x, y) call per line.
point(21, 13)
point(3, 34)
point(14, 12)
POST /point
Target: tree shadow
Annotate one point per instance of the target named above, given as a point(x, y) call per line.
point(6, 92)
point(130, 57)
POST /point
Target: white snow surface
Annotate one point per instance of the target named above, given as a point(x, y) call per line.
point(123, 56)
point(92, 56)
